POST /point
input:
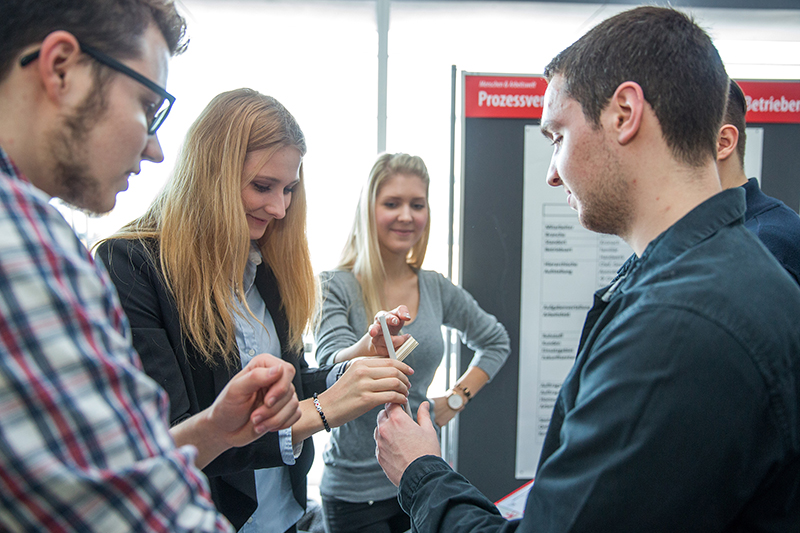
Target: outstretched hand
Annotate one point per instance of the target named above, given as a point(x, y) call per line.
point(372, 344)
point(366, 384)
point(395, 319)
point(399, 440)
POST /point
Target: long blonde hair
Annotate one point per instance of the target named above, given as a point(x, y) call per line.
point(200, 225)
point(361, 253)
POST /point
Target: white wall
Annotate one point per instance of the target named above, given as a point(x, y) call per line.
point(319, 58)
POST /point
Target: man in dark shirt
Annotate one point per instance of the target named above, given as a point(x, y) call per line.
point(775, 224)
point(682, 411)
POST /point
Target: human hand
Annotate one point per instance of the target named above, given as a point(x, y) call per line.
point(259, 399)
point(399, 440)
point(366, 384)
point(395, 319)
point(442, 412)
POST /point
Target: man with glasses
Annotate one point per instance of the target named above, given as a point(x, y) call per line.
point(84, 439)
point(156, 112)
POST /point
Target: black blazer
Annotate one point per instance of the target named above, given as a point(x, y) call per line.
point(192, 384)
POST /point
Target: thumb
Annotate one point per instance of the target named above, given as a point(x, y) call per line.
point(424, 415)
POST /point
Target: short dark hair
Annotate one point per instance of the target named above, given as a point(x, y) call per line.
point(670, 57)
point(735, 113)
point(111, 26)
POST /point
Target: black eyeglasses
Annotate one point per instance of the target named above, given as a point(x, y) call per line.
point(157, 113)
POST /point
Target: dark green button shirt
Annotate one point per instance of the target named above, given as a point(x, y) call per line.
point(682, 411)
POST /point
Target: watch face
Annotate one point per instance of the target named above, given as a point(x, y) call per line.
point(455, 401)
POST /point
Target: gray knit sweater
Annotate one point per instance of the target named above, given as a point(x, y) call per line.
point(351, 471)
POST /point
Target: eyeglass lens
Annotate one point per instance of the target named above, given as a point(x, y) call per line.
point(158, 117)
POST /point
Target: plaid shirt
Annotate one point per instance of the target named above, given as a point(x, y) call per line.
point(84, 440)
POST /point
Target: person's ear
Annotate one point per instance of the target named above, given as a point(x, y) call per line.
point(626, 109)
point(58, 55)
point(726, 141)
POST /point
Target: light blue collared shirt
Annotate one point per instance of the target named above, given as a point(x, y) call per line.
point(277, 509)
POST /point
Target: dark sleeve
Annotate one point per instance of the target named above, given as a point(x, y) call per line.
point(313, 379)
point(440, 500)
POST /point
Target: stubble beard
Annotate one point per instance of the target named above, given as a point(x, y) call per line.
point(608, 208)
point(75, 185)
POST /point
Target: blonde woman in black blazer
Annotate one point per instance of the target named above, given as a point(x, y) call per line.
point(237, 199)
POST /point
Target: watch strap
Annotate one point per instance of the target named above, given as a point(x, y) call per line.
point(465, 390)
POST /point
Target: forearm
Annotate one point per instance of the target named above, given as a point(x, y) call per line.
point(361, 348)
point(198, 431)
point(310, 422)
point(366, 384)
point(471, 381)
point(466, 387)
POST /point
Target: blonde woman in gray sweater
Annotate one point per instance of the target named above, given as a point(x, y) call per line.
point(380, 269)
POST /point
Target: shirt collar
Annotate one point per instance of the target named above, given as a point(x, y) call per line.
point(9, 168)
point(757, 201)
point(627, 267)
point(253, 260)
point(723, 209)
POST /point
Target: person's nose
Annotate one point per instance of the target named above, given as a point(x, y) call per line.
point(405, 214)
point(276, 207)
point(553, 179)
point(152, 150)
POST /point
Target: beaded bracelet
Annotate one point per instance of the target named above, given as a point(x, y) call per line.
point(321, 414)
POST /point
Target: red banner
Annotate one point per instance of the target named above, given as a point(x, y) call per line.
point(499, 96)
point(503, 96)
point(772, 101)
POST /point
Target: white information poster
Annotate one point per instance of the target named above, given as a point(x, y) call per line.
point(753, 153)
point(563, 264)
